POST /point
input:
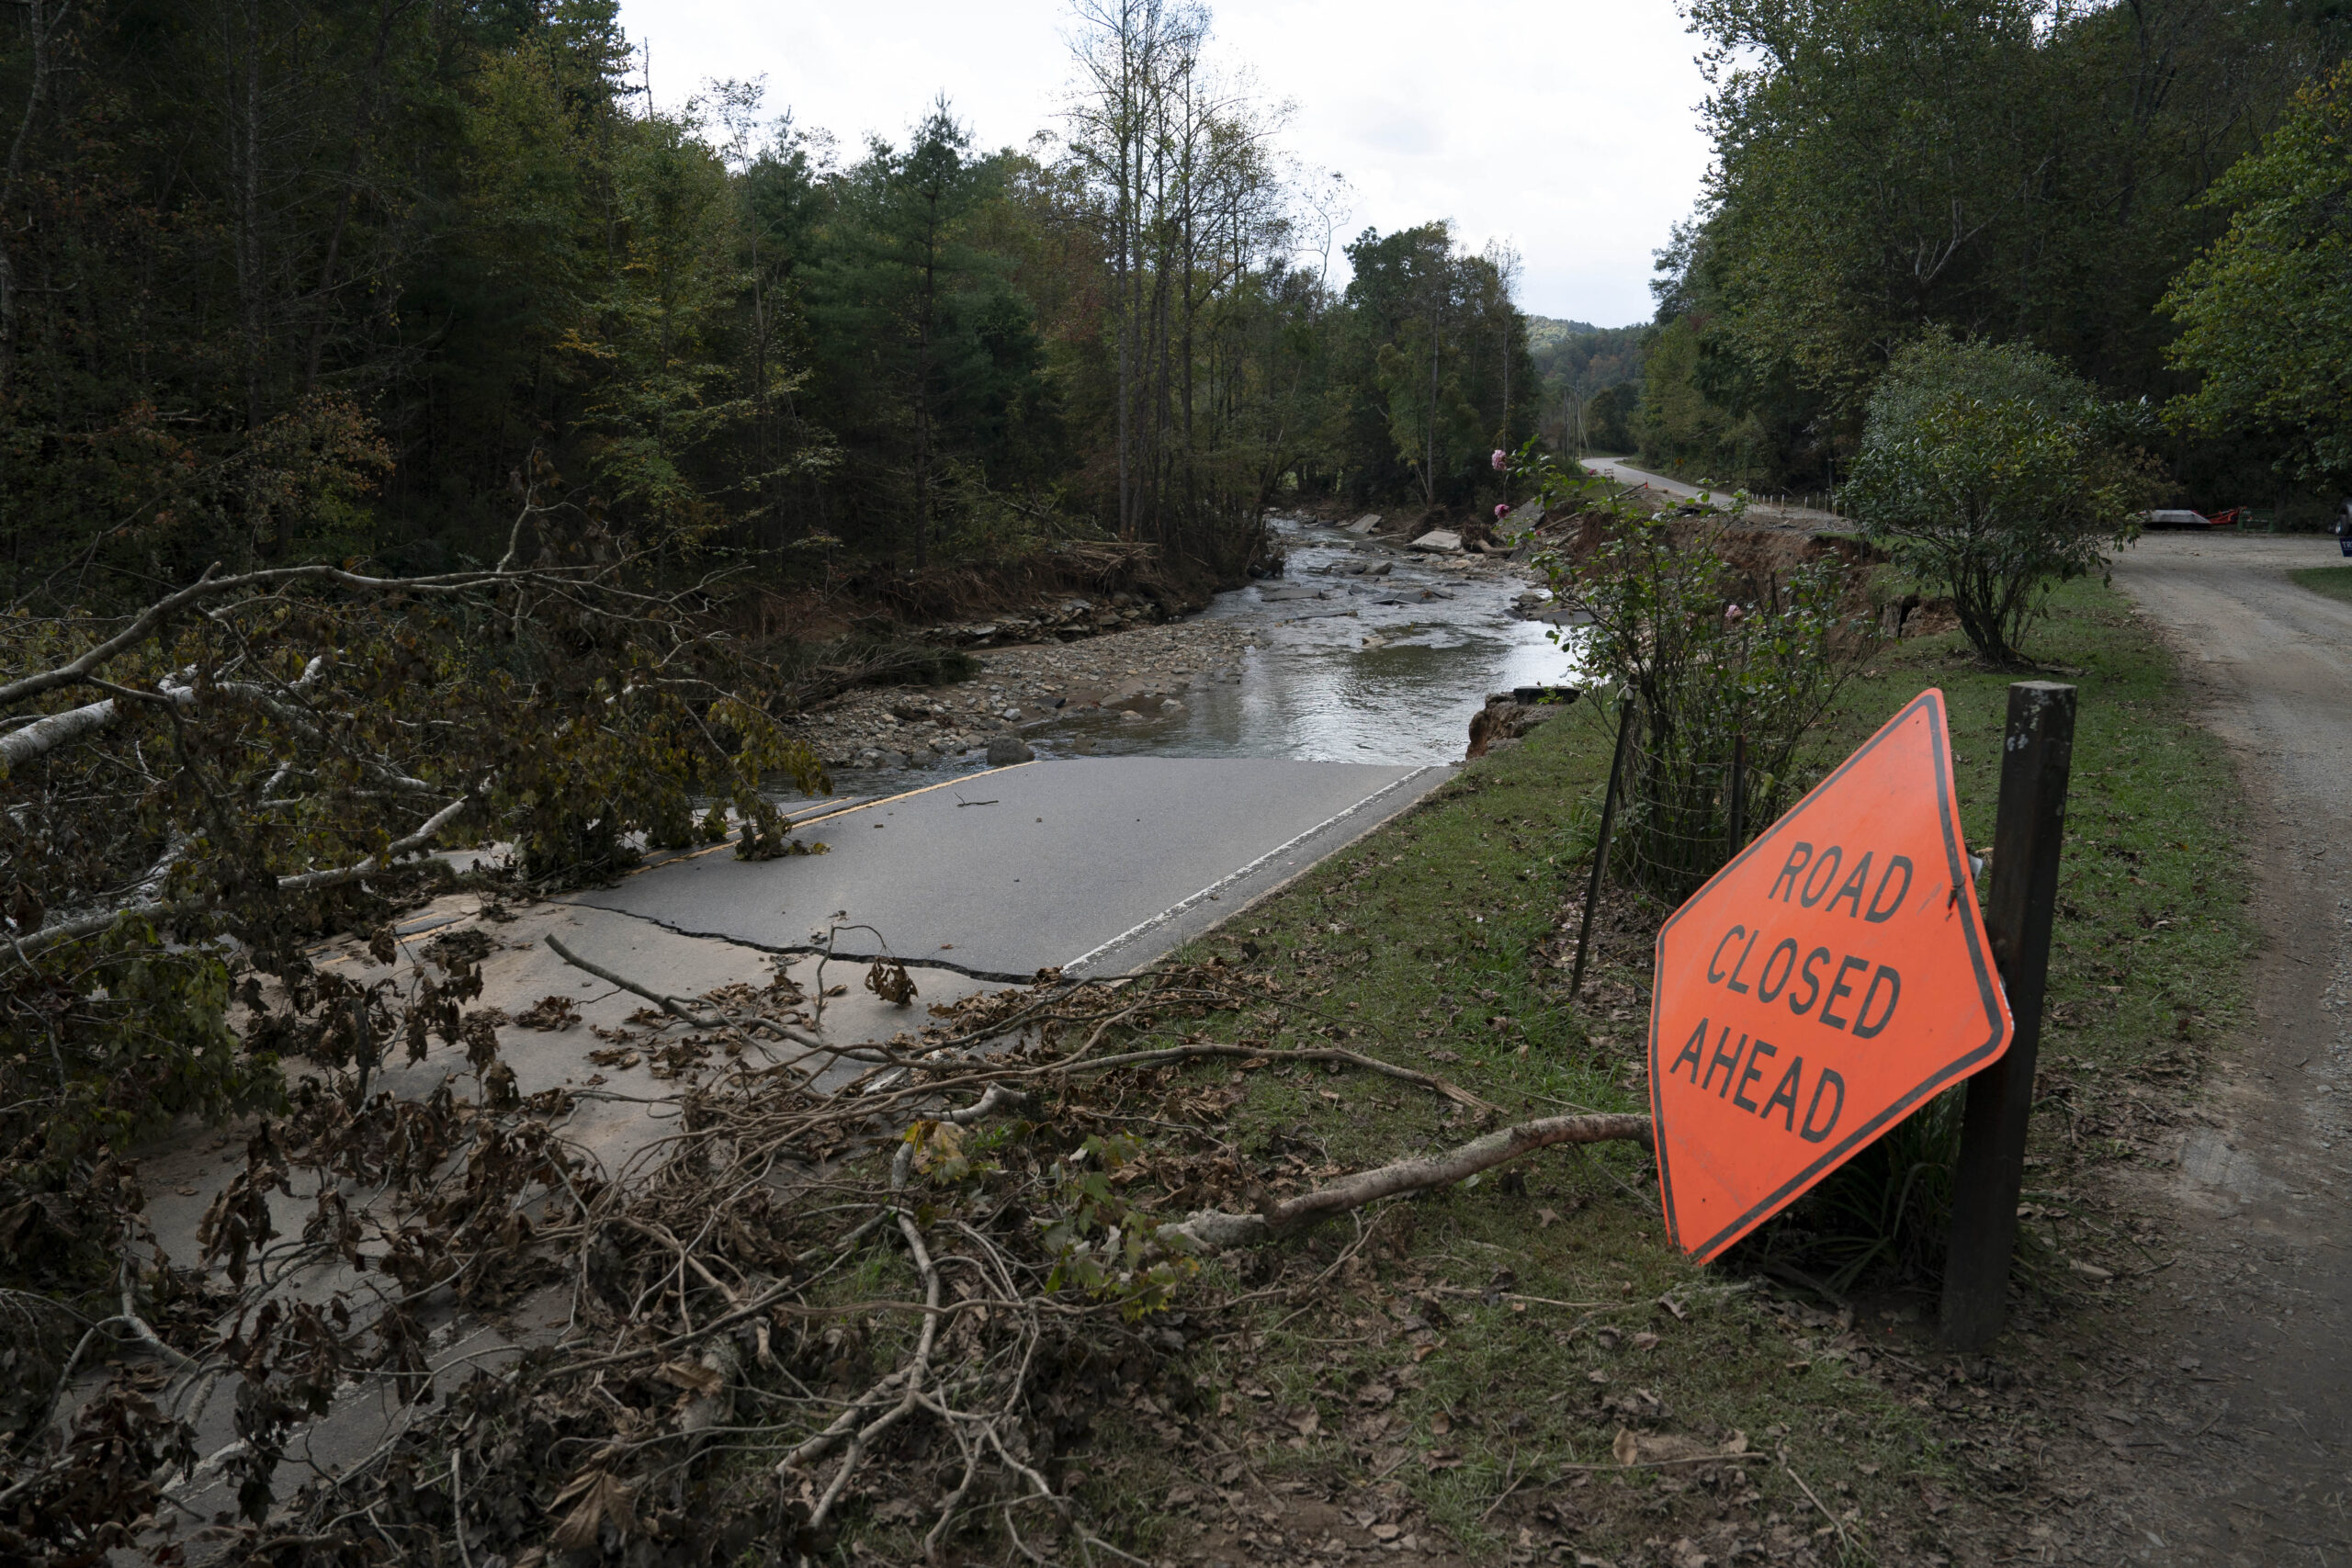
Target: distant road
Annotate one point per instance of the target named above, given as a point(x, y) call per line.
point(1759, 514)
point(1624, 474)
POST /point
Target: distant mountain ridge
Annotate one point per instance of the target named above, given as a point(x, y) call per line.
point(1543, 331)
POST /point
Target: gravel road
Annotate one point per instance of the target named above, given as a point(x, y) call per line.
point(2260, 1303)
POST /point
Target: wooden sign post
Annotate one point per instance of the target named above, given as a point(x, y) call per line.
point(2037, 757)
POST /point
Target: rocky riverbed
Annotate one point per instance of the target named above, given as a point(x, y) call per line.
point(1145, 673)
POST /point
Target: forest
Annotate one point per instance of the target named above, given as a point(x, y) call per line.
point(2153, 192)
point(295, 279)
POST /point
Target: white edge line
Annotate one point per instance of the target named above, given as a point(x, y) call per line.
point(1221, 884)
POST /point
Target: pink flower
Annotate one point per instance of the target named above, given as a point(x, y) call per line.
point(1735, 613)
point(1502, 510)
point(1501, 460)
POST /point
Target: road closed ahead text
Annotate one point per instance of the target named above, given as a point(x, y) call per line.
point(1825, 983)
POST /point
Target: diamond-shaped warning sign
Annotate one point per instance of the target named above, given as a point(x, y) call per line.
point(1824, 984)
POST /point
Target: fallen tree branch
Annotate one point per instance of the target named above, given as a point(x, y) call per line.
point(1212, 1228)
point(1452, 1091)
point(78, 671)
point(672, 1005)
point(58, 932)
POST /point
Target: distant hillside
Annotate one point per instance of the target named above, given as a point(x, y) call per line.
point(1543, 331)
point(1577, 356)
point(1592, 377)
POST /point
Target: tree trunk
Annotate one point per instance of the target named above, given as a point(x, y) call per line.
point(344, 201)
point(38, 24)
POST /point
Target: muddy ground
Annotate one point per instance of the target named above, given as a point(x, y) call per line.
point(2227, 1435)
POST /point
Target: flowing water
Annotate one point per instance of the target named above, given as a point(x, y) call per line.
point(1378, 669)
point(1381, 671)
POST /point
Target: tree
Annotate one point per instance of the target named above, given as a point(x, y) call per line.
point(2265, 314)
point(2026, 170)
point(1432, 335)
point(1991, 471)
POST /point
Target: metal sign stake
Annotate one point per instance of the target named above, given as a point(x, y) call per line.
point(1627, 712)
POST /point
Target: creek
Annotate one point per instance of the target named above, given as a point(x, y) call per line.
point(1387, 669)
point(1364, 651)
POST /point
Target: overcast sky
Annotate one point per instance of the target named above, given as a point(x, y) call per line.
point(1567, 129)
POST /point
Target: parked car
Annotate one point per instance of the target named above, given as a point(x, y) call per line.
point(2181, 517)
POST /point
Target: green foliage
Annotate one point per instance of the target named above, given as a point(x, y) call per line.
point(1991, 472)
point(1433, 345)
point(2265, 313)
point(454, 234)
point(2025, 171)
point(1714, 654)
point(1680, 419)
point(260, 774)
point(1612, 419)
point(1105, 1248)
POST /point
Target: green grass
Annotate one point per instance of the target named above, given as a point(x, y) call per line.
point(2336, 582)
point(1426, 945)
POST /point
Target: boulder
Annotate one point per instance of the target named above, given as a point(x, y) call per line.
point(1004, 751)
point(1363, 525)
point(1505, 718)
point(1439, 541)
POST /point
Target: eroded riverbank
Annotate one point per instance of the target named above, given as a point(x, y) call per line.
point(1364, 650)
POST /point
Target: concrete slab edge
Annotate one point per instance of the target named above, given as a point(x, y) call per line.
point(1094, 957)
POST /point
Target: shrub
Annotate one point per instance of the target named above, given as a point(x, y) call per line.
point(1713, 655)
point(1989, 471)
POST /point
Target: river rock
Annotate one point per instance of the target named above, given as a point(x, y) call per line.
point(1505, 719)
point(1365, 524)
point(1285, 594)
point(1007, 749)
point(1439, 541)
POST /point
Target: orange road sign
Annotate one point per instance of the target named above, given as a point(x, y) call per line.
point(1822, 987)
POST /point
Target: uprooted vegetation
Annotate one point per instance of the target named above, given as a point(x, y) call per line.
point(897, 1299)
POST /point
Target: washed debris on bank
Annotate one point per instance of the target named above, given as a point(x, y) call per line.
point(1140, 671)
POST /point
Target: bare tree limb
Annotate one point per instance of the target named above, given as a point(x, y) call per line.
point(672, 1005)
point(1210, 1228)
point(76, 671)
point(58, 932)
